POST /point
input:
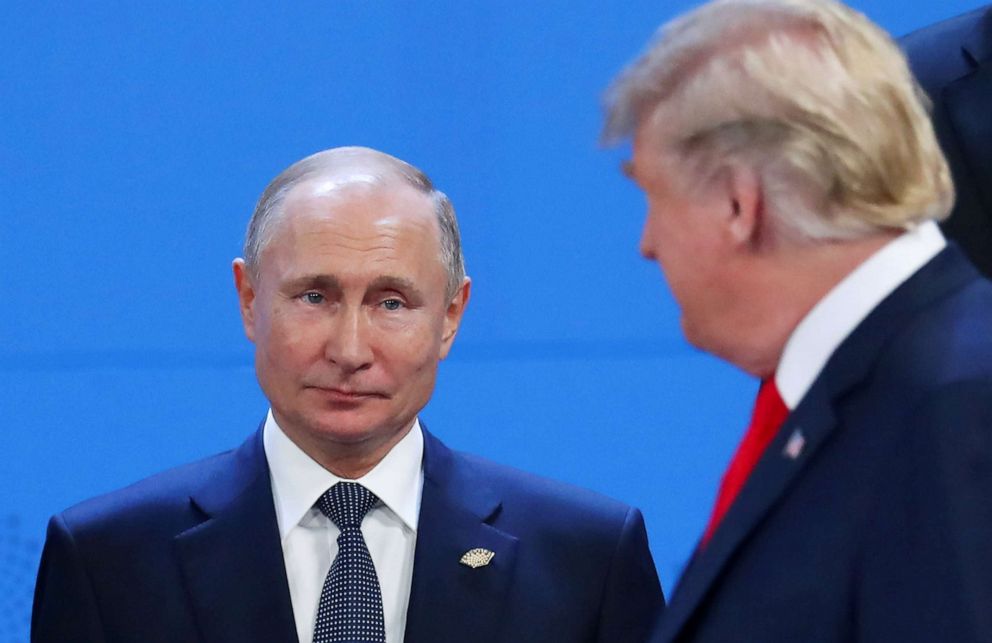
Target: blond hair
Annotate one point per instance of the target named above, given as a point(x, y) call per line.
point(812, 95)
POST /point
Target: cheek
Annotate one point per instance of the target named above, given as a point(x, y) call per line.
point(410, 345)
point(291, 341)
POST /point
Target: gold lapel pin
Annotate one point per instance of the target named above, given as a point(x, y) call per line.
point(477, 557)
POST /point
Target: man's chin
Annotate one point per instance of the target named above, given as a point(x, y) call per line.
point(354, 429)
point(691, 333)
point(345, 433)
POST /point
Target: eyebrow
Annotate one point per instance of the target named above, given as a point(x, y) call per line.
point(392, 282)
point(327, 283)
point(330, 283)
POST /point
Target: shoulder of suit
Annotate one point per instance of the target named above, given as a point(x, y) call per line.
point(935, 51)
point(153, 499)
point(536, 492)
point(946, 342)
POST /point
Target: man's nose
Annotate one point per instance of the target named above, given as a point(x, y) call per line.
point(349, 344)
point(646, 245)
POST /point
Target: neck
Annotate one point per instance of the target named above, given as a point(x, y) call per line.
point(345, 459)
point(783, 288)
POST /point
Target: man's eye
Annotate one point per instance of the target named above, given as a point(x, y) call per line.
point(392, 304)
point(313, 297)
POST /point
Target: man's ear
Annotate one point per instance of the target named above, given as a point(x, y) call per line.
point(453, 316)
point(745, 206)
point(246, 296)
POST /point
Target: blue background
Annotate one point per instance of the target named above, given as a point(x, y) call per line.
point(134, 141)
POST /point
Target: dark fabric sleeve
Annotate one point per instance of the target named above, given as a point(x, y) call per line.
point(633, 599)
point(65, 607)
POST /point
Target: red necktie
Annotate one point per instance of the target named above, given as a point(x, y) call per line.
point(769, 413)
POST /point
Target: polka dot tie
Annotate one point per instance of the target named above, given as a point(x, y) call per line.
point(350, 609)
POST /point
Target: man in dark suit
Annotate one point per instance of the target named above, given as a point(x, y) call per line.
point(953, 62)
point(343, 518)
point(793, 182)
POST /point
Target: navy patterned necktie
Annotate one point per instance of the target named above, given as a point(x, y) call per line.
point(350, 609)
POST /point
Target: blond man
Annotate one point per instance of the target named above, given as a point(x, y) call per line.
point(793, 185)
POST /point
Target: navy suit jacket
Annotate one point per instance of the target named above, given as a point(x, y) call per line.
point(880, 528)
point(953, 62)
point(193, 554)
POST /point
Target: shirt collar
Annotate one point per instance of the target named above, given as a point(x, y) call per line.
point(835, 316)
point(298, 480)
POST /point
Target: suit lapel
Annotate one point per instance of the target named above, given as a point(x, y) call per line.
point(232, 562)
point(450, 601)
point(813, 421)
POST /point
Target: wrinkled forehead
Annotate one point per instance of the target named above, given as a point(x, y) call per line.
point(356, 232)
point(358, 203)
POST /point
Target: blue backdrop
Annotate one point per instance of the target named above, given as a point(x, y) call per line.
point(134, 140)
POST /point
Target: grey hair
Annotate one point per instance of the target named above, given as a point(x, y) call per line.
point(811, 94)
point(268, 210)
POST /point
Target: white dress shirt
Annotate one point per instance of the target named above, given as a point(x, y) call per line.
point(309, 539)
point(835, 316)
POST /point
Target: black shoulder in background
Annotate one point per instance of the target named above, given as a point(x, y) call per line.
point(944, 51)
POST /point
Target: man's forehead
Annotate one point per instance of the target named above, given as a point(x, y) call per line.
point(323, 185)
point(358, 197)
point(353, 168)
point(338, 185)
point(642, 155)
point(323, 210)
point(655, 141)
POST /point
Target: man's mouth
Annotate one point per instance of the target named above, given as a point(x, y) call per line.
point(347, 394)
